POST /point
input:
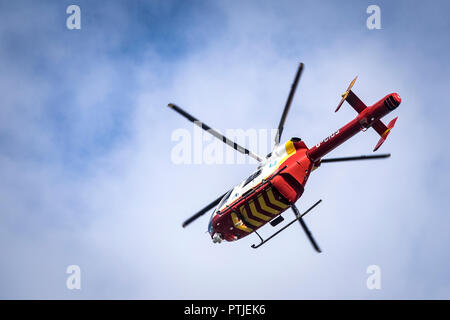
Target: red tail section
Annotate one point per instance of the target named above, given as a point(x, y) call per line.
point(383, 131)
point(367, 117)
point(391, 102)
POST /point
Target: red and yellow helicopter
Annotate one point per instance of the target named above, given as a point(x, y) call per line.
point(281, 176)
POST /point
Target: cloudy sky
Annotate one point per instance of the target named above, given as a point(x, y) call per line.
point(87, 179)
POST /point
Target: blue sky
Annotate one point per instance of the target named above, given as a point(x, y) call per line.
point(86, 176)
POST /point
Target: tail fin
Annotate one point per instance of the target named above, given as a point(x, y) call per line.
point(359, 106)
point(352, 99)
point(383, 131)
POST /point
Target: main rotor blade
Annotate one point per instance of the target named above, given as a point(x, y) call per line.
point(204, 210)
point(305, 228)
point(215, 133)
point(288, 104)
point(364, 157)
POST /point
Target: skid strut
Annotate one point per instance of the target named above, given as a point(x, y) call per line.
point(285, 227)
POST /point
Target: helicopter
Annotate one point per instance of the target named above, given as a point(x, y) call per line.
point(280, 178)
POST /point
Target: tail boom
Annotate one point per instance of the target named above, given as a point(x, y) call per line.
point(366, 118)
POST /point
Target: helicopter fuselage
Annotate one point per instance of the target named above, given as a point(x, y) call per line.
point(280, 181)
point(266, 194)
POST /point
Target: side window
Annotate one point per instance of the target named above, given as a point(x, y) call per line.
point(224, 199)
point(253, 176)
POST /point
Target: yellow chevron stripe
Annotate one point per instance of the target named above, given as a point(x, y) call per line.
point(256, 213)
point(275, 201)
point(239, 224)
point(263, 205)
point(249, 220)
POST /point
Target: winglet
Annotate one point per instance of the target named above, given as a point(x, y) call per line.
point(386, 133)
point(345, 94)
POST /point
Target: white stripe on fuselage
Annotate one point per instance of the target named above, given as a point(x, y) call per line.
point(279, 155)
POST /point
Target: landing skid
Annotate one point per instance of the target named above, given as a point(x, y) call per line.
point(285, 227)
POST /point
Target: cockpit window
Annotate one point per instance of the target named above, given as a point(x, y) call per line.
point(224, 199)
point(253, 176)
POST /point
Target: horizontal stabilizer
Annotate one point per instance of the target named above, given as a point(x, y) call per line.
point(352, 99)
point(383, 131)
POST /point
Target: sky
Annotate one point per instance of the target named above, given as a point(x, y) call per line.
point(87, 178)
